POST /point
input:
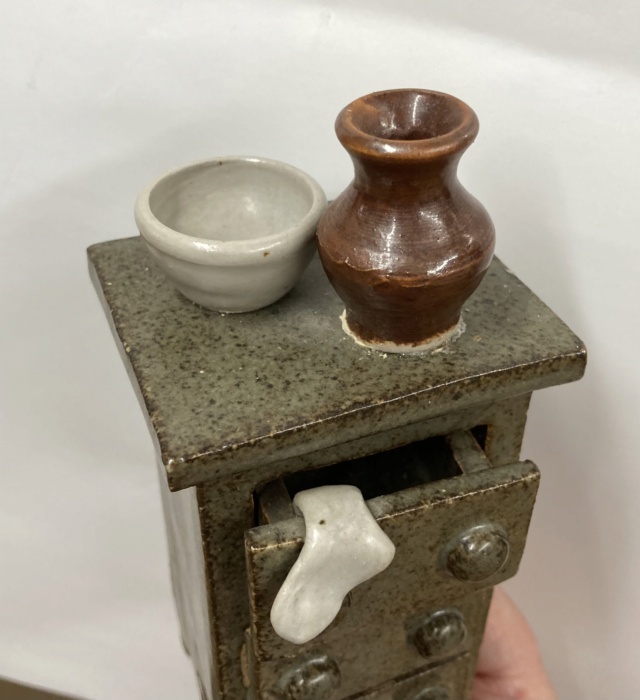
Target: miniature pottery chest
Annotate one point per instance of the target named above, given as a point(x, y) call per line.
point(247, 410)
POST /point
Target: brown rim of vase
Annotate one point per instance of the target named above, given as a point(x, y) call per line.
point(406, 125)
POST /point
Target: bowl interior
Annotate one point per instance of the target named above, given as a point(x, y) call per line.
point(231, 200)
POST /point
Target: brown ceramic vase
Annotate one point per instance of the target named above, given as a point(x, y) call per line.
point(405, 245)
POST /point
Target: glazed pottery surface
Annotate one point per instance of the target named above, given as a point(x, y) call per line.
point(405, 244)
point(344, 546)
point(280, 398)
point(233, 234)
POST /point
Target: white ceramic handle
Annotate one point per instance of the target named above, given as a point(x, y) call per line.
point(344, 546)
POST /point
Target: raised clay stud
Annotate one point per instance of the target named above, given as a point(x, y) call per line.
point(344, 546)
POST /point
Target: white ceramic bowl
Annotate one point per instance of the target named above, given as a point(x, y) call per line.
point(232, 234)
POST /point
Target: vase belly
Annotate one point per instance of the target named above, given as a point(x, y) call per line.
point(404, 272)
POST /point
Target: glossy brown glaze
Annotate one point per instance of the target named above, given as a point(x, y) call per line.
point(405, 244)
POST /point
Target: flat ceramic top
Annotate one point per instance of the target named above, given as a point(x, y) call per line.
point(245, 389)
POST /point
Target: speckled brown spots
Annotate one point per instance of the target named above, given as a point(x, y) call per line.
point(297, 347)
point(321, 399)
point(421, 521)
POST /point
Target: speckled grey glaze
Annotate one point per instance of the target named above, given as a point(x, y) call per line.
point(420, 521)
point(225, 393)
point(235, 402)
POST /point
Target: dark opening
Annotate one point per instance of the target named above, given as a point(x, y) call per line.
point(385, 472)
point(480, 434)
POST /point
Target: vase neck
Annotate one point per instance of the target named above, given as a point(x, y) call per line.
point(380, 178)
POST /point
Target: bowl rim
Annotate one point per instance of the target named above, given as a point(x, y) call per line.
point(211, 251)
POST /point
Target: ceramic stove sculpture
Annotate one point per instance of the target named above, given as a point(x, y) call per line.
point(406, 467)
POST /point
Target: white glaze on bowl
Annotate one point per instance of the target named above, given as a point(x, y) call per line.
point(233, 234)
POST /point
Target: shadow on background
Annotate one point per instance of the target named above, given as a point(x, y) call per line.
point(17, 691)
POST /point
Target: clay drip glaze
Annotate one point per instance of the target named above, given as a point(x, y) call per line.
point(405, 245)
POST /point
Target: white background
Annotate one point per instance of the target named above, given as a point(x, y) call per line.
point(98, 97)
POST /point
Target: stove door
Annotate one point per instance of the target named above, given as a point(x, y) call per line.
point(456, 537)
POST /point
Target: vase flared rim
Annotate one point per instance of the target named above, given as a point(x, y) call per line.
point(406, 124)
